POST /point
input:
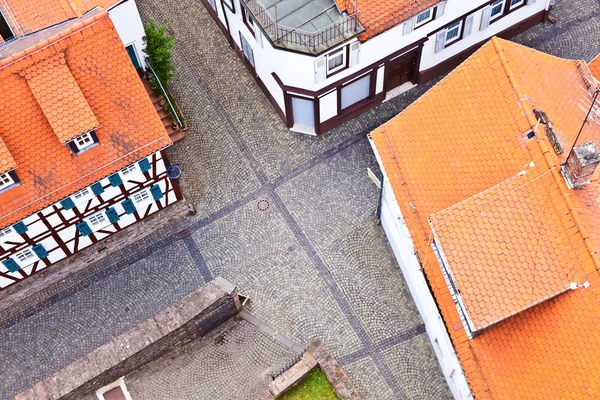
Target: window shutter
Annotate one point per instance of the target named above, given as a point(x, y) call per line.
point(157, 194)
point(128, 206)
point(440, 9)
point(320, 72)
point(354, 54)
point(468, 26)
point(11, 265)
point(409, 26)
point(40, 251)
point(20, 227)
point(259, 38)
point(67, 203)
point(530, 2)
point(115, 179)
point(84, 228)
point(144, 165)
point(97, 188)
point(440, 41)
point(112, 215)
point(485, 18)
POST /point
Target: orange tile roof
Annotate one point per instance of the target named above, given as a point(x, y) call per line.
point(42, 14)
point(378, 16)
point(7, 162)
point(129, 126)
point(477, 140)
point(595, 67)
point(60, 98)
point(509, 247)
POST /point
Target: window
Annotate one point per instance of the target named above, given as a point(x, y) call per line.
point(26, 257)
point(356, 91)
point(248, 53)
point(453, 32)
point(128, 170)
point(82, 195)
point(96, 222)
point(336, 61)
point(5, 32)
point(424, 17)
point(5, 232)
point(83, 142)
point(141, 197)
point(6, 181)
point(497, 9)
point(516, 3)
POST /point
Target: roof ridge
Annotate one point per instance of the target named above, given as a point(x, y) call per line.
point(545, 148)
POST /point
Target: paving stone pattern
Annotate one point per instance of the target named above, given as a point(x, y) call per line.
point(314, 263)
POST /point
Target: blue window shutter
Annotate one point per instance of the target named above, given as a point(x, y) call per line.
point(144, 165)
point(84, 228)
point(11, 265)
point(157, 194)
point(20, 227)
point(115, 179)
point(128, 206)
point(97, 188)
point(67, 203)
point(40, 251)
point(112, 215)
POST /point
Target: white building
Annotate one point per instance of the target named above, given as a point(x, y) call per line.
point(321, 63)
point(81, 143)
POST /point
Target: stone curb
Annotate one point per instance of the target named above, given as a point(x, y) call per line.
point(315, 355)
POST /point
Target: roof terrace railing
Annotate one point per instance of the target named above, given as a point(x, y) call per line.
point(296, 37)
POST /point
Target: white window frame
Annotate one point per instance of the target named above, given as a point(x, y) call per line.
point(495, 4)
point(6, 181)
point(102, 221)
point(457, 37)
point(29, 257)
point(6, 234)
point(429, 18)
point(513, 6)
point(85, 138)
point(144, 197)
point(84, 194)
point(129, 171)
point(335, 54)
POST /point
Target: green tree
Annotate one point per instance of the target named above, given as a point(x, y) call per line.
point(159, 48)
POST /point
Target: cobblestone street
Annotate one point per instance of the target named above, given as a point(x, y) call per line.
point(315, 264)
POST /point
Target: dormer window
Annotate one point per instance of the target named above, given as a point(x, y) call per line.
point(8, 180)
point(5, 32)
point(83, 142)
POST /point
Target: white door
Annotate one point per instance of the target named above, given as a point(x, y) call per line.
point(303, 112)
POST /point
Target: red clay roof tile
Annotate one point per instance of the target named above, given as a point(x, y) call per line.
point(484, 110)
point(129, 126)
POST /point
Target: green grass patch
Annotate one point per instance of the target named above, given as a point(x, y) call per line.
point(314, 386)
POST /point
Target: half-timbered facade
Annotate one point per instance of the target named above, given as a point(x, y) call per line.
point(86, 217)
point(81, 145)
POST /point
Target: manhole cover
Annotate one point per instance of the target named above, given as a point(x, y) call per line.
point(263, 205)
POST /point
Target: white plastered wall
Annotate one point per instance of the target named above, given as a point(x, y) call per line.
point(128, 24)
point(403, 247)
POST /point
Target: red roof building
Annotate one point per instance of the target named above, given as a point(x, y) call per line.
point(504, 214)
point(80, 142)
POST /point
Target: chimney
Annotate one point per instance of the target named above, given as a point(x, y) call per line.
point(581, 164)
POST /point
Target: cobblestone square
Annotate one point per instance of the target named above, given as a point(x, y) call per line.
point(314, 263)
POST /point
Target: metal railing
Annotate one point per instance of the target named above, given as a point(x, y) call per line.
point(165, 94)
point(293, 36)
